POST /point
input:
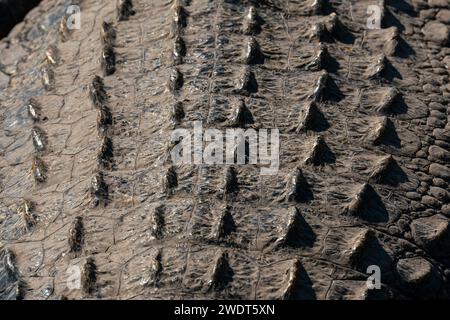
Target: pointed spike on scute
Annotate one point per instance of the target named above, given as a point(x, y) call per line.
point(99, 190)
point(48, 77)
point(359, 245)
point(290, 231)
point(333, 24)
point(292, 280)
point(297, 188)
point(383, 6)
point(230, 181)
point(156, 267)
point(89, 276)
point(383, 167)
point(317, 30)
point(320, 60)
point(321, 87)
point(391, 47)
point(10, 262)
point(252, 22)
point(106, 155)
point(247, 83)
point(320, 153)
point(108, 60)
point(378, 69)
point(241, 116)
point(320, 33)
point(363, 196)
point(381, 131)
point(76, 235)
point(253, 53)
point(171, 145)
point(39, 138)
point(12, 282)
point(26, 211)
point(14, 286)
point(39, 170)
point(52, 55)
point(318, 7)
point(179, 50)
point(389, 102)
point(177, 114)
point(337, 29)
point(97, 92)
point(108, 34)
point(157, 220)
point(219, 275)
point(63, 29)
point(392, 42)
point(98, 84)
point(367, 205)
point(179, 18)
point(311, 118)
point(170, 180)
point(224, 225)
point(104, 119)
point(34, 110)
point(154, 272)
point(176, 80)
point(124, 9)
point(392, 33)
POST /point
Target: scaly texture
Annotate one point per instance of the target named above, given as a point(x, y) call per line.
point(364, 160)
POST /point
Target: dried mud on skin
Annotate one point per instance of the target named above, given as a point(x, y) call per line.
point(86, 179)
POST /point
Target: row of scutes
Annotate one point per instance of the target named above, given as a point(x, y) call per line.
point(99, 189)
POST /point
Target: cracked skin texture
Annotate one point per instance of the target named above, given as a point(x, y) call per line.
point(361, 207)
